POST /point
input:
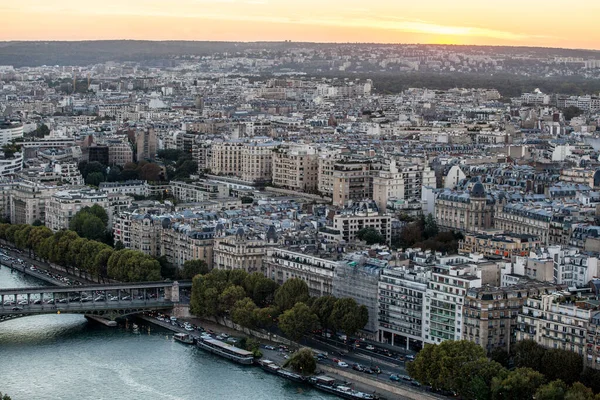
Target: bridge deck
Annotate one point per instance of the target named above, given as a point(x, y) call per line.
point(98, 308)
point(91, 288)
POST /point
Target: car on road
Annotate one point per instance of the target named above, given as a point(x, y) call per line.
point(368, 371)
point(269, 347)
point(17, 308)
point(358, 367)
point(410, 357)
point(37, 301)
point(394, 377)
point(62, 301)
point(336, 360)
point(370, 347)
point(9, 303)
point(23, 303)
point(342, 364)
point(51, 301)
point(100, 298)
point(126, 298)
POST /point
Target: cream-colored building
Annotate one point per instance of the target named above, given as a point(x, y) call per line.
point(180, 243)
point(281, 264)
point(352, 181)
point(257, 161)
point(349, 222)
point(63, 205)
point(119, 153)
point(296, 168)
point(239, 252)
point(28, 202)
point(555, 321)
point(325, 174)
point(466, 212)
point(226, 158)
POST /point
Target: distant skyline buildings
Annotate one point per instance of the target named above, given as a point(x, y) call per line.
point(383, 21)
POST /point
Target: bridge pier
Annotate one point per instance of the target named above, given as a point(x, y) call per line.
point(103, 321)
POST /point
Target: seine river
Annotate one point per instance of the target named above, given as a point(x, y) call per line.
point(68, 358)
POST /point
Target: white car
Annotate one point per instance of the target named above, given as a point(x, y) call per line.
point(23, 302)
point(369, 347)
point(342, 364)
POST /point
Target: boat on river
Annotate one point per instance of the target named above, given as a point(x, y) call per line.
point(184, 338)
point(328, 384)
point(226, 350)
point(269, 366)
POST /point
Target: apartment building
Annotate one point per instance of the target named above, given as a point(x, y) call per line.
point(464, 211)
point(414, 178)
point(348, 222)
point(402, 293)
point(239, 251)
point(490, 313)
point(202, 153)
point(524, 219)
point(145, 235)
point(498, 245)
point(119, 153)
point(555, 321)
point(281, 264)
point(352, 181)
point(359, 279)
point(199, 191)
point(226, 157)
point(133, 188)
point(296, 168)
point(444, 302)
point(325, 174)
point(257, 161)
point(63, 205)
point(147, 144)
point(182, 242)
point(28, 202)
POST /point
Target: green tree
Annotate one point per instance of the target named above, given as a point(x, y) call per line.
point(439, 365)
point(528, 354)
point(264, 292)
point(291, 292)
point(150, 172)
point(265, 318)
point(500, 356)
point(119, 245)
point(229, 297)
point(167, 270)
point(430, 227)
point(571, 112)
point(94, 179)
point(579, 392)
point(243, 312)
point(554, 390)
point(4, 397)
point(90, 223)
point(348, 316)
point(302, 361)
point(475, 378)
point(521, 383)
point(297, 321)
point(322, 307)
point(192, 268)
point(371, 236)
point(561, 364)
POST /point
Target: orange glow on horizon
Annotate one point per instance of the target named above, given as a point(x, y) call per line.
point(385, 21)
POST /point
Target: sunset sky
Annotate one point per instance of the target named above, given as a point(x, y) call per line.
point(549, 23)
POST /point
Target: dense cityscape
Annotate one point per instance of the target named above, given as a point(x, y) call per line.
point(311, 192)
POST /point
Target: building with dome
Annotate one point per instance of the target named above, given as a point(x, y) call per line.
point(467, 211)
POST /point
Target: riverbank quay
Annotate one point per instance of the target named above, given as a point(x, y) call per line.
point(82, 277)
point(361, 382)
point(34, 274)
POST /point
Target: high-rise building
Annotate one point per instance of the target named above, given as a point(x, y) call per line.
point(296, 168)
point(147, 144)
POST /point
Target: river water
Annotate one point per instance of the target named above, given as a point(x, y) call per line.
point(65, 357)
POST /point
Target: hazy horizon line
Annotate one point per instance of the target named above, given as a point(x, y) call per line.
point(294, 41)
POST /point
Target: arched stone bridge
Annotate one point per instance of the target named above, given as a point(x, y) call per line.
point(109, 301)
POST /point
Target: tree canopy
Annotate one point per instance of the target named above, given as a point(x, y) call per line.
point(303, 361)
